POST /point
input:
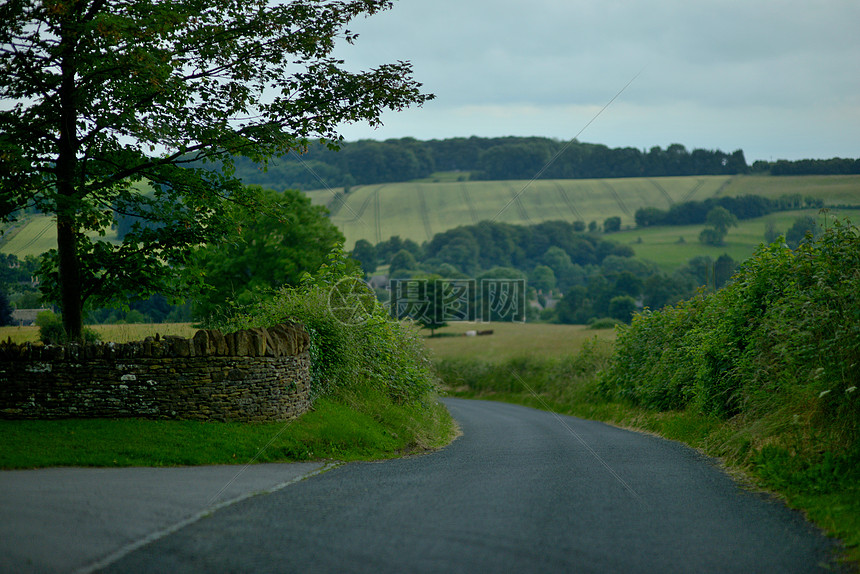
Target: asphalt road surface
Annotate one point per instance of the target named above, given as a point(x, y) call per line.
point(520, 491)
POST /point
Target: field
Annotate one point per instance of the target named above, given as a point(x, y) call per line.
point(418, 210)
point(115, 333)
point(35, 236)
point(664, 245)
point(511, 340)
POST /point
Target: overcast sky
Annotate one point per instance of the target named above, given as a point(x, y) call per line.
point(778, 79)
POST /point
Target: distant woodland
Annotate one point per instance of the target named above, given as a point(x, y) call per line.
point(367, 162)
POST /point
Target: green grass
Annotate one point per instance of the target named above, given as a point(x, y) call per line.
point(417, 210)
point(36, 235)
point(662, 245)
point(833, 189)
point(357, 427)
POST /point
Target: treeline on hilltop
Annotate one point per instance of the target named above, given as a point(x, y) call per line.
point(367, 162)
point(832, 166)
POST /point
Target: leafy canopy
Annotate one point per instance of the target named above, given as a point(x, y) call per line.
point(100, 98)
point(272, 246)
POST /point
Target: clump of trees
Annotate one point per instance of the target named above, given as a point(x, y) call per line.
point(718, 221)
point(589, 277)
point(742, 207)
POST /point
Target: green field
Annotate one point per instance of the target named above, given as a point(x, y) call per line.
point(418, 210)
point(35, 236)
point(663, 245)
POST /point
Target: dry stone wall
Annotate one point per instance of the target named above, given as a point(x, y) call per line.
point(250, 375)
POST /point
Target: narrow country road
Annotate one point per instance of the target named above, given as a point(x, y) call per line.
point(520, 491)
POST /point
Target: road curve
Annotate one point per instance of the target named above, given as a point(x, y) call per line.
point(520, 491)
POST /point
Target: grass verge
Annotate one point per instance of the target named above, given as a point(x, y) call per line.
point(364, 426)
point(826, 489)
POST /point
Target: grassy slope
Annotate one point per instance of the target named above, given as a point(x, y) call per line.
point(662, 244)
point(417, 210)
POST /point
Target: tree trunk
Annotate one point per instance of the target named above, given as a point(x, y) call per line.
point(66, 207)
point(70, 280)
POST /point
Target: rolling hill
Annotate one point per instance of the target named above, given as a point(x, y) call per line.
point(417, 210)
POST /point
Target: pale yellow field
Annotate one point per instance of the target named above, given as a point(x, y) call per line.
point(115, 333)
point(511, 340)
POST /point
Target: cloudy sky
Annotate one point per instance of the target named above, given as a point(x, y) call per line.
point(776, 78)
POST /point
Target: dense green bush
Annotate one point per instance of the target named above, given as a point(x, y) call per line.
point(52, 332)
point(355, 344)
point(783, 336)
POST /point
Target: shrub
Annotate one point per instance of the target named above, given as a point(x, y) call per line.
point(52, 332)
point(354, 342)
point(603, 323)
point(783, 337)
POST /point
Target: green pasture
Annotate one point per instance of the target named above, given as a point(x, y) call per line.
point(833, 189)
point(35, 236)
point(418, 210)
point(672, 246)
point(32, 237)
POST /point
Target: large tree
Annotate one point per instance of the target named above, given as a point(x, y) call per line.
point(100, 99)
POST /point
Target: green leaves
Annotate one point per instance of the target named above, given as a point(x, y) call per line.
point(269, 245)
point(101, 95)
point(783, 336)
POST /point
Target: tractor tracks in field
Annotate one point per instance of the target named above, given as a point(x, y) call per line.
point(377, 216)
point(470, 205)
point(516, 198)
point(662, 191)
point(358, 216)
point(694, 189)
point(425, 214)
point(568, 202)
point(617, 197)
